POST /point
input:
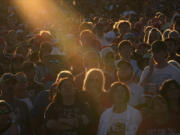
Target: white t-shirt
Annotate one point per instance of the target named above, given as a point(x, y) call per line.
point(137, 93)
point(130, 120)
point(160, 75)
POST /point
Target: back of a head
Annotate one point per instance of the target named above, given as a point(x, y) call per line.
point(154, 34)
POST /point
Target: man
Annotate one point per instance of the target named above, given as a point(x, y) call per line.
point(20, 110)
point(159, 69)
point(125, 75)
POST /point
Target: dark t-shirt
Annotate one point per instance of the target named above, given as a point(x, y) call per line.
point(34, 89)
point(56, 111)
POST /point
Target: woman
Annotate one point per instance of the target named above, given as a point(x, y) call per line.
point(95, 95)
point(120, 119)
point(159, 121)
point(8, 124)
point(66, 114)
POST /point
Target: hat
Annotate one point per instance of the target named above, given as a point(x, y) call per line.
point(6, 77)
point(158, 46)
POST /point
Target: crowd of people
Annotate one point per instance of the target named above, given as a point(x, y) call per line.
point(115, 71)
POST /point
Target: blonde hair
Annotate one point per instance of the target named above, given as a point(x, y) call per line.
point(96, 74)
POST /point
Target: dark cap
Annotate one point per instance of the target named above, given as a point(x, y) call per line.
point(6, 77)
point(158, 46)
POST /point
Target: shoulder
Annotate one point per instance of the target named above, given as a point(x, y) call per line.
point(106, 113)
point(133, 112)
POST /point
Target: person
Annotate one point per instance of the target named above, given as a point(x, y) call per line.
point(21, 92)
point(159, 121)
point(7, 124)
point(170, 90)
point(33, 87)
point(42, 100)
point(108, 65)
point(125, 50)
point(66, 114)
point(21, 112)
point(120, 118)
point(124, 26)
point(95, 95)
point(172, 48)
point(159, 69)
point(125, 75)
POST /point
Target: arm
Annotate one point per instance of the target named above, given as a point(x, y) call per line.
point(147, 73)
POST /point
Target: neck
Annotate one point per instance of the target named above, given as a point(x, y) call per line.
point(68, 100)
point(119, 108)
point(162, 64)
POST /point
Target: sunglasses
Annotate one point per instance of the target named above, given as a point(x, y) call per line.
point(4, 111)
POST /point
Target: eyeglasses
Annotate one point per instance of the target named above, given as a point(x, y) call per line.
point(4, 111)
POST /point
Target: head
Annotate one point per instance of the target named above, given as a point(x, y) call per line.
point(171, 45)
point(125, 49)
point(7, 85)
point(21, 84)
point(174, 34)
point(29, 69)
point(170, 90)
point(5, 116)
point(124, 26)
point(165, 34)
point(158, 106)
point(119, 93)
point(21, 51)
point(159, 51)
point(154, 34)
point(91, 59)
point(107, 55)
point(66, 88)
point(94, 81)
point(124, 71)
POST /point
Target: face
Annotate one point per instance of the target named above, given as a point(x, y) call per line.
point(124, 73)
point(109, 59)
point(159, 57)
point(159, 106)
point(93, 85)
point(120, 96)
point(30, 74)
point(125, 51)
point(4, 118)
point(67, 89)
